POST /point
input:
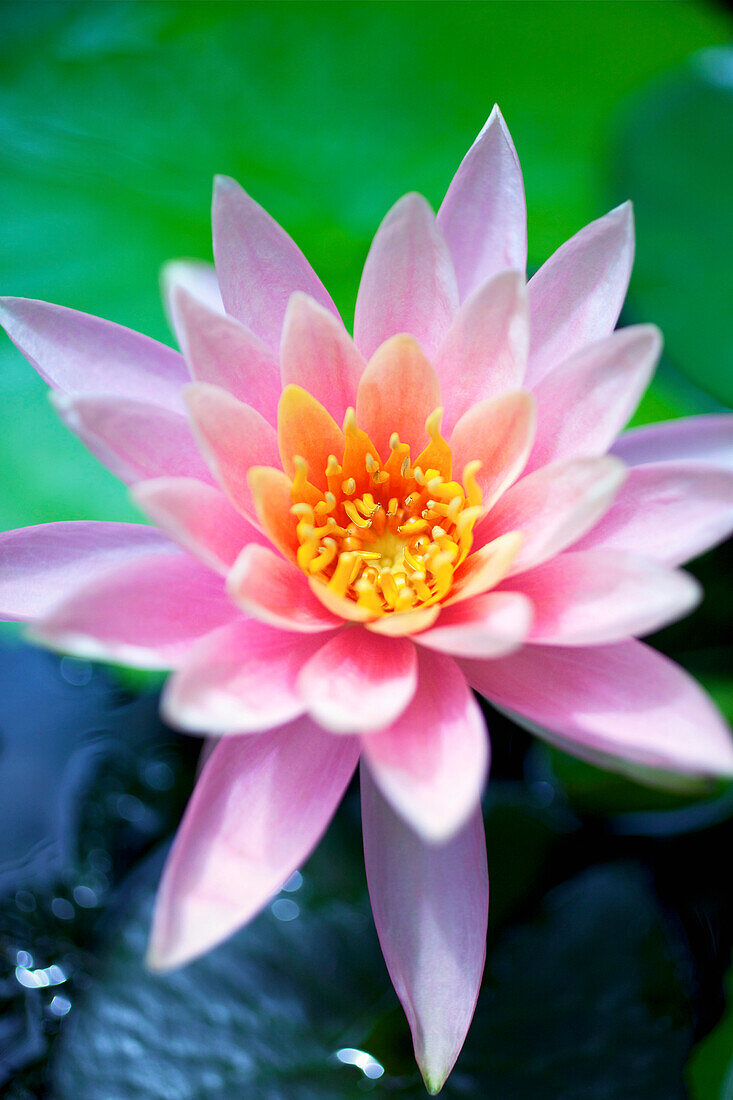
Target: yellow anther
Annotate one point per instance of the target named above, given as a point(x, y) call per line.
point(433, 422)
point(302, 510)
point(325, 557)
point(357, 519)
point(332, 466)
point(473, 493)
point(413, 527)
point(348, 486)
point(392, 506)
point(349, 420)
point(405, 467)
point(394, 441)
point(341, 578)
point(418, 475)
point(370, 463)
point(438, 533)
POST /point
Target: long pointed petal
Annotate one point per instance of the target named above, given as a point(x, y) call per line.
point(257, 264)
point(80, 354)
point(576, 296)
point(275, 592)
point(430, 905)
point(499, 434)
point(483, 215)
point(408, 284)
point(195, 278)
point(623, 700)
point(490, 625)
point(397, 392)
point(706, 439)
point(259, 808)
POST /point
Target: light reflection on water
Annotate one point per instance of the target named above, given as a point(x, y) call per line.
point(369, 1066)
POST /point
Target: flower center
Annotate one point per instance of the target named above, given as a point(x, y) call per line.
point(387, 535)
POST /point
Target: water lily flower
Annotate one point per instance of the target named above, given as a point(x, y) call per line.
point(352, 534)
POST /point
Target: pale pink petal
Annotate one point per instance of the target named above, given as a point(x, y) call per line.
point(221, 351)
point(483, 215)
point(576, 296)
point(430, 904)
point(232, 437)
point(584, 403)
point(80, 354)
point(397, 392)
point(499, 433)
point(241, 679)
point(358, 682)
point(597, 596)
point(490, 625)
point(276, 592)
point(408, 284)
point(554, 506)
point(146, 613)
point(667, 511)
point(199, 517)
point(257, 811)
point(695, 438)
point(484, 353)
point(137, 440)
point(257, 264)
point(194, 277)
point(431, 763)
point(41, 566)
point(484, 568)
point(318, 355)
point(405, 623)
point(624, 700)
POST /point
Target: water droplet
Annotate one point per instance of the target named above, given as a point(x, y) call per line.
point(285, 909)
point(25, 901)
point(159, 775)
point(62, 909)
point(130, 807)
point(294, 883)
point(364, 1061)
point(85, 897)
point(59, 1005)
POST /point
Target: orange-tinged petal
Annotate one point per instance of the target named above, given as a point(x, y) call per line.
point(406, 622)
point(485, 568)
point(305, 428)
point(499, 433)
point(271, 492)
point(397, 393)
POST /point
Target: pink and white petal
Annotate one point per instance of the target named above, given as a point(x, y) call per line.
point(408, 284)
point(41, 566)
point(624, 700)
point(357, 682)
point(431, 763)
point(584, 403)
point(490, 625)
point(147, 613)
point(406, 623)
point(485, 568)
point(430, 904)
point(199, 517)
point(397, 392)
point(233, 438)
point(221, 351)
point(594, 597)
point(257, 264)
point(554, 506)
point(499, 433)
point(576, 296)
point(706, 439)
point(137, 440)
point(197, 279)
point(79, 354)
point(276, 592)
point(667, 511)
point(484, 353)
point(258, 809)
point(318, 355)
point(240, 679)
point(483, 215)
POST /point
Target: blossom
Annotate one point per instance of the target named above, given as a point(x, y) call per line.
point(353, 534)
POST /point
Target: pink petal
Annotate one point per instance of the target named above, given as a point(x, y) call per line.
point(199, 517)
point(318, 355)
point(597, 596)
point(146, 613)
point(137, 440)
point(41, 566)
point(232, 437)
point(358, 682)
point(695, 438)
point(486, 626)
point(483, 216)
point(667, 511)
point(258, 809)
point(408, 284)
point(554, 506)
point(257, 263)
point(431, 763)
point(276, 592)
point(397, 392)
point(499, 433)
point(576, 296)
point(221, 351)
point(625, 700)
point(80, 354)
point(430, 904)
point(584, 403)
point(241, 679)
point(195, 278)
point(484, 353)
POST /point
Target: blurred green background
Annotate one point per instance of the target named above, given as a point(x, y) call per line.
point(114, 117)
